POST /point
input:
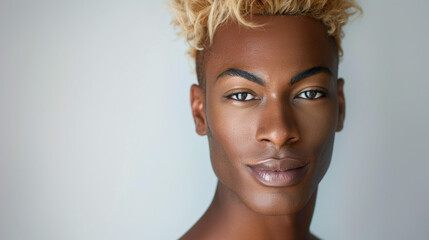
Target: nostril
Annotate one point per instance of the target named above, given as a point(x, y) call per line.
point(277, 132)
point(292, 140)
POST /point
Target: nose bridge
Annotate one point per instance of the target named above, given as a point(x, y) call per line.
point(277, 124)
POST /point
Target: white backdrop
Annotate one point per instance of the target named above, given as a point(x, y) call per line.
point(97, 139)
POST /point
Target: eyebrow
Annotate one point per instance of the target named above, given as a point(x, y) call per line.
point(243, 74)
point(256, 79)
point(308, 73)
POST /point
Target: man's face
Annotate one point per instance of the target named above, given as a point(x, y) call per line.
point(271, 108)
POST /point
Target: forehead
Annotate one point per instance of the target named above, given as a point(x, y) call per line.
point(283, 46)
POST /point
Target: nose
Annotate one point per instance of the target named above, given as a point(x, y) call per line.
point(277, 125)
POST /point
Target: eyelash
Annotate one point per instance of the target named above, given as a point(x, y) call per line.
point(238, 96)
point(318, 94)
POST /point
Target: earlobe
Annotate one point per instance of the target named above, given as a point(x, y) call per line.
point(341, 105)
point(198, 109)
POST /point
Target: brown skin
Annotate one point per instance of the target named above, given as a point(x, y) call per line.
point(276, 119)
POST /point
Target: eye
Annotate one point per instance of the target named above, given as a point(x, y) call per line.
point(242, 96)
point(311, 94)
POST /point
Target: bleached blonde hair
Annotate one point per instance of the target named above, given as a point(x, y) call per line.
point(199, 19)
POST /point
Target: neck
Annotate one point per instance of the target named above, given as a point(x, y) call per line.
point(228, 218)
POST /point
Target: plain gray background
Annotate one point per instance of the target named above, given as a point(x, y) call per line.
point(97, 139)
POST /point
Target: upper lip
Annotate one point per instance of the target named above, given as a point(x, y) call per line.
point(275, 164)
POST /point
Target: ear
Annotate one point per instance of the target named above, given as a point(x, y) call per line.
point(341, 104)
point(198, 109)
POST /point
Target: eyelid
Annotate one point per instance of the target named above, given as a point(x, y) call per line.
point(229, 95)
point(324, 93)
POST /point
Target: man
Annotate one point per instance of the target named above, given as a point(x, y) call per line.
point(270, 102)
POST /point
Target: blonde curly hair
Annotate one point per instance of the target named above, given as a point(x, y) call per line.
point(199, 19)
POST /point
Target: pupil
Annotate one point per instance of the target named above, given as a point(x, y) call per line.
point(311, 94)
point(243, 96)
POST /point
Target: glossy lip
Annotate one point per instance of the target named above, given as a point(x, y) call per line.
point(279, 172)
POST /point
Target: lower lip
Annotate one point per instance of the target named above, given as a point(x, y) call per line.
point(279, 178)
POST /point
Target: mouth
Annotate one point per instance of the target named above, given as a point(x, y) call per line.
point(279, 172)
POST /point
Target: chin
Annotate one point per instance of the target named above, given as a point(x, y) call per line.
point(276, 202)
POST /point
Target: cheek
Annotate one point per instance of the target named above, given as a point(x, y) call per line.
point(230, 140)
point(317, 130)
point(317, 123)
